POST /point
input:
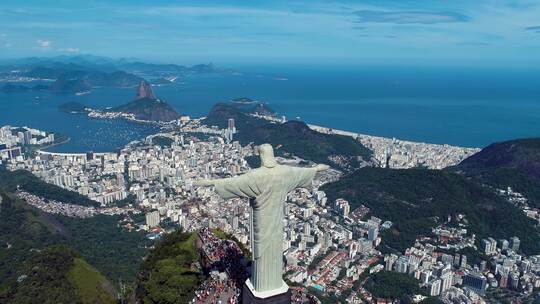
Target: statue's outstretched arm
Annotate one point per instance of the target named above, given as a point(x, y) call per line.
point(239, 186)
point(322, 167)
point(203, 183)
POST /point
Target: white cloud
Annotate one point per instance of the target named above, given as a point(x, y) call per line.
point(213, 10)
point(44, 44)
point(69, 50)
point(57, 25)
point(407, 17)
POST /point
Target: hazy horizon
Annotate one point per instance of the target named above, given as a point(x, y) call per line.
point(483, 33)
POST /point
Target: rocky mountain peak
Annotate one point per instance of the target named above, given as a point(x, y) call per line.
point(145, 91)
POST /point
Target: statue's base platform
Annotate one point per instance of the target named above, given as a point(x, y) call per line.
point(281, 295)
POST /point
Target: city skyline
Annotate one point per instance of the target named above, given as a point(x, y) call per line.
point(325, 151)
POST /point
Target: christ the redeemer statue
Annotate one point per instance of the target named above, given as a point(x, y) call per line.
point(267, 188)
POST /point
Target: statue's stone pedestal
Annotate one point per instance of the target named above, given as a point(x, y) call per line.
point(277, 296)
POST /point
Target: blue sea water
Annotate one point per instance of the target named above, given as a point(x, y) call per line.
point(458, 106)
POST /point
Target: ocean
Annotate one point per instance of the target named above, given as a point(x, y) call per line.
point(457, 106)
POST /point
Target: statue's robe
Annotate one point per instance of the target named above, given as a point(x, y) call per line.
point(267, 189)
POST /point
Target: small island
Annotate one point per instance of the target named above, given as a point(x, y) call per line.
point(251, 106)
point(73, 108)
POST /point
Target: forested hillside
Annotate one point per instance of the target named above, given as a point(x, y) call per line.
point(418, 199)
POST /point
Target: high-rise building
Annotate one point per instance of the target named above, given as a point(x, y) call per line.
point(413, 266)
point(434, 287)
point(20, 135)
point(514, 243)
point(373, 232)
point(463, 261)
point(525, 266)
point(89, 155)
point(503, 279)
point(328, 240)
point(503, 244)
point(446, 281)
point(425, 276)
point(27, 137)
point(307, 229)
point(229, 135)
point(402, 264)
point(483, 265)
point(342, 207)
point(489, 246)
point(152, 219)
point(513, 280)
point(447, 259)
point(457, 257)
point(475, 281)
point(353, 248)
point(230, 125)
point(389, 261)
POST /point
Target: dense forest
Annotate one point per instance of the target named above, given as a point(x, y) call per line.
point(9, 180)
point(514, 163)
point(99, 240)
point(167, 275)
point(293, 138)
point(57, 275)
point(22, 230)
point(393, 285)
point(114, 252)
point(416, 199)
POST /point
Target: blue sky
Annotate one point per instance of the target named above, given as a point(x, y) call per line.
point(454, 32)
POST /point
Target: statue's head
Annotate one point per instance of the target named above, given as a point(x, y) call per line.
point(266, 152)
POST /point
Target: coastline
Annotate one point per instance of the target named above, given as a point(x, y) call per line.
point(327, 130)
point(54, 144)
point(387, 152)
point(397, 153)
point(402, 154)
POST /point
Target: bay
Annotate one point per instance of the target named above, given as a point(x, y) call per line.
point(445, 105)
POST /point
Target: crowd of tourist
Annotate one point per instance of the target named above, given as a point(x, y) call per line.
point(226, 266)
point(215, 291)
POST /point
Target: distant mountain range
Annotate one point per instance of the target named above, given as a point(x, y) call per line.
point(69, 78)
point(81, 73)
point(105, 64)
